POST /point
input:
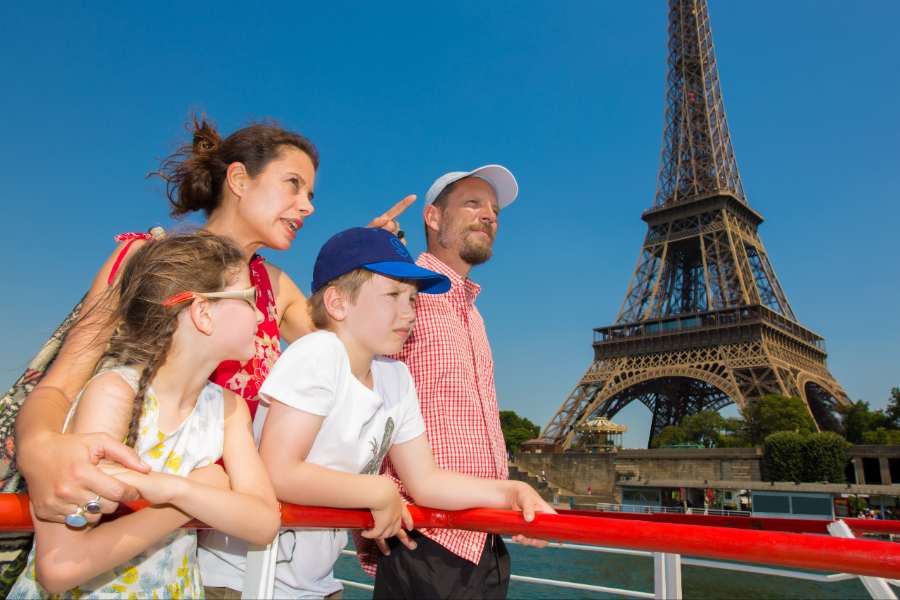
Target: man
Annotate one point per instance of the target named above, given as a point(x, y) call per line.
point(450, 360)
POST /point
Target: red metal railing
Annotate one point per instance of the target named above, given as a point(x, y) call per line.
point(759, 523)
point(804, 551)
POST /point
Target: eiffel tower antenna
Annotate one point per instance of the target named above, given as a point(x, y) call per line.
point(705, 322)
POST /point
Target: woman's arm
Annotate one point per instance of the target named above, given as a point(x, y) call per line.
point(66, 557)
point(61, 469)
point(439, 488)
point(287, 438)
point(294, 321)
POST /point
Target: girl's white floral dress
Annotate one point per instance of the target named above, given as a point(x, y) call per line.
point(169, 569)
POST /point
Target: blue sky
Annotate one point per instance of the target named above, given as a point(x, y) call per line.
point(568, 95)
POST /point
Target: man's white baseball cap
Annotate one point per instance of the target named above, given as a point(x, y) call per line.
point(505, 186)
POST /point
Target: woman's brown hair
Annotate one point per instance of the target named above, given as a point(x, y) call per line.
point(199, 262)
point(195, 173)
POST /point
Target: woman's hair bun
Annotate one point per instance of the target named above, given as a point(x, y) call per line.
point(206, 138)
point(195, 173)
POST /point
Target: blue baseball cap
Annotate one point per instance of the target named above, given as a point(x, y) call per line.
point(375, 250)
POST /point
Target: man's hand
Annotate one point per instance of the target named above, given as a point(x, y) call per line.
point(388, 220)
point(525, 499)
point(62, 473)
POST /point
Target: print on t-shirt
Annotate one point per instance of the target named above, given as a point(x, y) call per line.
point(378, 452)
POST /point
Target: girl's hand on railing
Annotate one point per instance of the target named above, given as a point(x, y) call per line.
point(529, 502)
point(154, 487)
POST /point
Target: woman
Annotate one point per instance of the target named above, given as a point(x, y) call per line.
point(256, 188)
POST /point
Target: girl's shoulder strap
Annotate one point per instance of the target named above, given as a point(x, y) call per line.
point(130, 374)
point(129, 239)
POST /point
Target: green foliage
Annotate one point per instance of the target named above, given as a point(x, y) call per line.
point(882, 437)
point(516, 430)
point(795, 456)
point(669, 436)
point(893, 409)
point(773, 413)
point(783, 456)
point(825, 457)
point(707, 428)
point(704, 427)
point(858, 419)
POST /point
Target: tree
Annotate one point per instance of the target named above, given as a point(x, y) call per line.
point(704, 427)
point(882, 437)
point(772, 413)
point(794, 456)
point(516, 430)
point(707, 428)
point(669, 436)
point(893, 408)
point(735, 434)
point(858, 419)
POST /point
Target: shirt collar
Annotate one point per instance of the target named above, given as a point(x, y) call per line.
point(458, 283)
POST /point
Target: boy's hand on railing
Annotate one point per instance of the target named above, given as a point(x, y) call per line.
point(389, 512)
point(401, 535)
point(528, 501)
point(61, 470)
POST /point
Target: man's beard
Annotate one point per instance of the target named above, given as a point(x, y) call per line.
point(474, 251)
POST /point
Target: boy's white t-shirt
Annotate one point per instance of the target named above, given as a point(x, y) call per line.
point(360, 426)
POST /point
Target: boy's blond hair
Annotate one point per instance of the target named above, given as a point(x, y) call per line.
point(348, 284)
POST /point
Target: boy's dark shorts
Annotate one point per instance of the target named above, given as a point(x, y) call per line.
point(431, 571)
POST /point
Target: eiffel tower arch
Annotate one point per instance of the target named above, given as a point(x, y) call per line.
point(705, 322)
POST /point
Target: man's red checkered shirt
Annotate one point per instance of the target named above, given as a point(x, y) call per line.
point(450, 360)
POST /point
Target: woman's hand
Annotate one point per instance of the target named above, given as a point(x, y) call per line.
point(388, 220)
point(523, 498)
point(62, 473)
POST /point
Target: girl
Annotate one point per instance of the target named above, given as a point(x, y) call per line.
point(186, 304)
point(255, 187)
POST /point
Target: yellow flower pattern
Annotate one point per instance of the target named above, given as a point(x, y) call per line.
point(168, 569)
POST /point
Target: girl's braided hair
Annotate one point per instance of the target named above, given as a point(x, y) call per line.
point(199, 262)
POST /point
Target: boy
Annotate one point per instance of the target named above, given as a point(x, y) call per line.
point(338, 407)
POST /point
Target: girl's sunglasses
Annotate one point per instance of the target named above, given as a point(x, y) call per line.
point(248, 295)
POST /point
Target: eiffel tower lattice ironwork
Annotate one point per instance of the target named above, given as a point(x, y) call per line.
point(705, 322)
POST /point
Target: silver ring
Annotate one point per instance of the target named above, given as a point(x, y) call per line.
point(76, 519)
point(93, 506)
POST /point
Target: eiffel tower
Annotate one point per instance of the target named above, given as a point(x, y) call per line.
point(705, 322)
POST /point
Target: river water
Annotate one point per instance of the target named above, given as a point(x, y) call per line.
point(632, 573)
